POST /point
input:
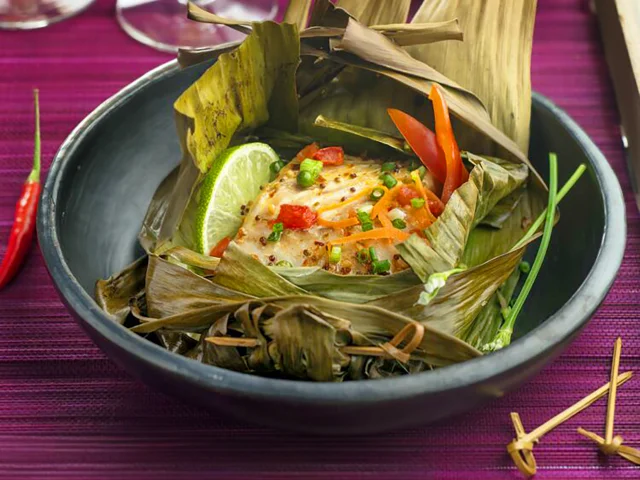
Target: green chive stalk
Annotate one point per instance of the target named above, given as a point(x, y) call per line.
point(503, 337)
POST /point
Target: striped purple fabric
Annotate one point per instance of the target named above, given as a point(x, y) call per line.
point(66, 411)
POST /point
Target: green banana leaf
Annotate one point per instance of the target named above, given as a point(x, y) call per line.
point(114, 294)
point(460, 300)
point(485, 242)
point(252, 86)
point(347, 288)
point(490, 180)
point(368, 134)
point(165, 297)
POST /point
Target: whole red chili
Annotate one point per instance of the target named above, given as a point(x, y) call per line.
point(25, 217)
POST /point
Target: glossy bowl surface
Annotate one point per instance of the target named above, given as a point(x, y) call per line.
point(102, 180)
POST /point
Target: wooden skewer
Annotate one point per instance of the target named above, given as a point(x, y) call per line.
point(520, 449)
point(611, 403)
point(611, 444)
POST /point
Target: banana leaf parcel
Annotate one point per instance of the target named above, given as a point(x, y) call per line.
point(354, 196)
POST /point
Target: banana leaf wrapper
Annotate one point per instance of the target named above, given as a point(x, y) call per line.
point(345, 76)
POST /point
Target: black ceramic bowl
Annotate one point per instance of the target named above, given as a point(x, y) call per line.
point(97, 193)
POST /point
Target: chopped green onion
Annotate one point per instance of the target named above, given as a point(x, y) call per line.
point(372, 254)
point(306, 179)
point(399, 223)
point(417, 202)
point(309, 172)
point(388, 166)
point(275, 167)
point(422, 171)
point(312, 166)
point(388, 180)
point(365, 220)
point(335, 255)
point(377, 193)
point(276, 233)
point(381, 266)
point(363, 255)
point(284, 263)
point(525, 267)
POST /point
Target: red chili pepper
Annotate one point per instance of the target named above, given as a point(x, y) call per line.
point(330, 156)
point(220, 247)
point(307, 152)
point(422, 141)
point(25, 216)
point(296, 217)
point(456, 173)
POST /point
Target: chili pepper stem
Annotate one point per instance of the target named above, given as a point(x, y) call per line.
point(34, 176)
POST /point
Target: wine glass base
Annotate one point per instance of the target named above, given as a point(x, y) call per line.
point(163, 24)
point(31, 14)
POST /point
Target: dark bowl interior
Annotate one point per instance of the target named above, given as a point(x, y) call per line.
point(106, 172)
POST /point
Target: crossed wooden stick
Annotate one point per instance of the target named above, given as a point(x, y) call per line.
point(521, 448)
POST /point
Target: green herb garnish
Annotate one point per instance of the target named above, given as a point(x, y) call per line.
point(365, 220)
point(309, 172)
point(276, 232)
point(363, 255)
point(388, 166)
point(417, 202)
point(388, 180)
point(335, 254)
point(399, 224)
point(381, 266)
point(376, 194)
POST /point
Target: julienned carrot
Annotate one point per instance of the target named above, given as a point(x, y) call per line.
point(456, 173)
point(374, 234)
point(25, 216)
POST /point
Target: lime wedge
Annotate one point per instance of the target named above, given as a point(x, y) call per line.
point(234, 180)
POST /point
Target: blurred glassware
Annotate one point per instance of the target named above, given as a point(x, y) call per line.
point(163, 24)
point(29, 14)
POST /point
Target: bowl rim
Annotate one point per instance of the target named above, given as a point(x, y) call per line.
point(567, 321)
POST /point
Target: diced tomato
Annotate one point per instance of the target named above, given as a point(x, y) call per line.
point(220, 247)
point(296, 217)
point(330, 156)
point(307, 152)
point(405, 194)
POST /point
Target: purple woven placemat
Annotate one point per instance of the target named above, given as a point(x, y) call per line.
point(66, 411)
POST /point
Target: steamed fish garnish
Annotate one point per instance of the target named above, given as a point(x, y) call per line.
point(338, 212)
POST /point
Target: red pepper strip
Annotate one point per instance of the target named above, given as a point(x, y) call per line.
point(446, 139)
point(220, 247)
point(307, 152)
point(422, 141)
point(330, 156)
point(296, 217)
point(25, 217)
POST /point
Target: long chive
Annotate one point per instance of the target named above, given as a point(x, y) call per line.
point(503, 337)
point(561, 194)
